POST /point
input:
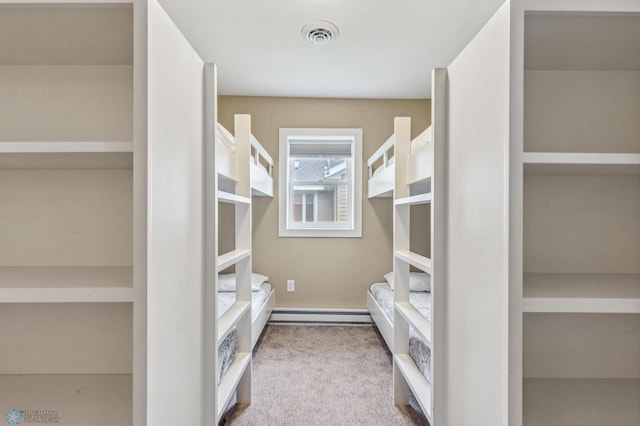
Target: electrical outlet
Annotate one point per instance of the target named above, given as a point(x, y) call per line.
point(291, 285)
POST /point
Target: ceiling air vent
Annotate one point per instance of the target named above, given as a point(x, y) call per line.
point(320, 32)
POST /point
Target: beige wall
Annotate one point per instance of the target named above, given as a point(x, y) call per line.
point(329, 272)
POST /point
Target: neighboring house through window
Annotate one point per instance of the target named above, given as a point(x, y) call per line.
point(320, 182)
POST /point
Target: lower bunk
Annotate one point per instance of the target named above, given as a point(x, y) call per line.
point(230, 368)
point(380, 304)
point(262, 302)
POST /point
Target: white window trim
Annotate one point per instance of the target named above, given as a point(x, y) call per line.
point(356, 231)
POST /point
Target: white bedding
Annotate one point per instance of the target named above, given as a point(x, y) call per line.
point(384, 296)
point(418, 349)
point(228, 298)
point(229, 346)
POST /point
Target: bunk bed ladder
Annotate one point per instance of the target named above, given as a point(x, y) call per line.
point(237, 378)
point(406, 375)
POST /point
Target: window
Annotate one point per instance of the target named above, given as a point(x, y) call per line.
point(320, 183)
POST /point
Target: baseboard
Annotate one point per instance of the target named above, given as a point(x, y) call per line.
point(315, 316)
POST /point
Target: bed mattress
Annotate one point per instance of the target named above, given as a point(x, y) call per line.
point(418, 349)
point(229, 346)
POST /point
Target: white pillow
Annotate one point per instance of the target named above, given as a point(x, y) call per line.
point(418, 281)
point(227, 282)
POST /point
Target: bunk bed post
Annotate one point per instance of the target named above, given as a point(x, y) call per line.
point(401, 240)
point(242, 134)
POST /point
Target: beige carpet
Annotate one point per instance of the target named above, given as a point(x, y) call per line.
point(321, 375)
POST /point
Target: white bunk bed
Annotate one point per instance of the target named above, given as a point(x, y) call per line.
point(261, 182)
point(382, 180)
point(382, 165)
point(412, 172)
point(380, 302)
point(260, 162)
point(262, 301)
point(242, 168)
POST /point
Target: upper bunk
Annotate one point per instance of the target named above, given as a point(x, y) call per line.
point(382, 166)
point(260, 163)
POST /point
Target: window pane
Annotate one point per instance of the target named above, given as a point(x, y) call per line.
point(326, 206)
point(309, 169)
point(309, 207)
point(321, 203)
point(297, 207)
point(320, 148)
point(342, 212)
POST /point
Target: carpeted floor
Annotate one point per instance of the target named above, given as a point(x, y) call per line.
point(321, 375)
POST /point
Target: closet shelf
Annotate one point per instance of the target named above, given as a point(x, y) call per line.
point(416, 320)
point(581, 305)
point(602, 293)
point(66, 155)
point(231, 318)
point(582, 401)
point(231, 379)
point(66, 160)
point(571, 164)
point(231, 258)
point(227, 197)
point(80, 399)
point(414, 200)
point(420, 262)
point(418, 384)
point(67, 295)
point(65, 276)
point(64, 147)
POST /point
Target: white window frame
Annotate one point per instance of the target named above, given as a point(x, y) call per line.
point(355, 231)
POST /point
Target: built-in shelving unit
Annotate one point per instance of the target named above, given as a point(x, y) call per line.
point(580, 164)
point(544, 217)
point(581, 221)
point(602, 293)
point(67, 283)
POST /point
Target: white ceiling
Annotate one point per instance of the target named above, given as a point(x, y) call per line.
point(386, 48)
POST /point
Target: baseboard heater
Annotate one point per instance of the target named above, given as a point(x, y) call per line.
point(320, 316)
